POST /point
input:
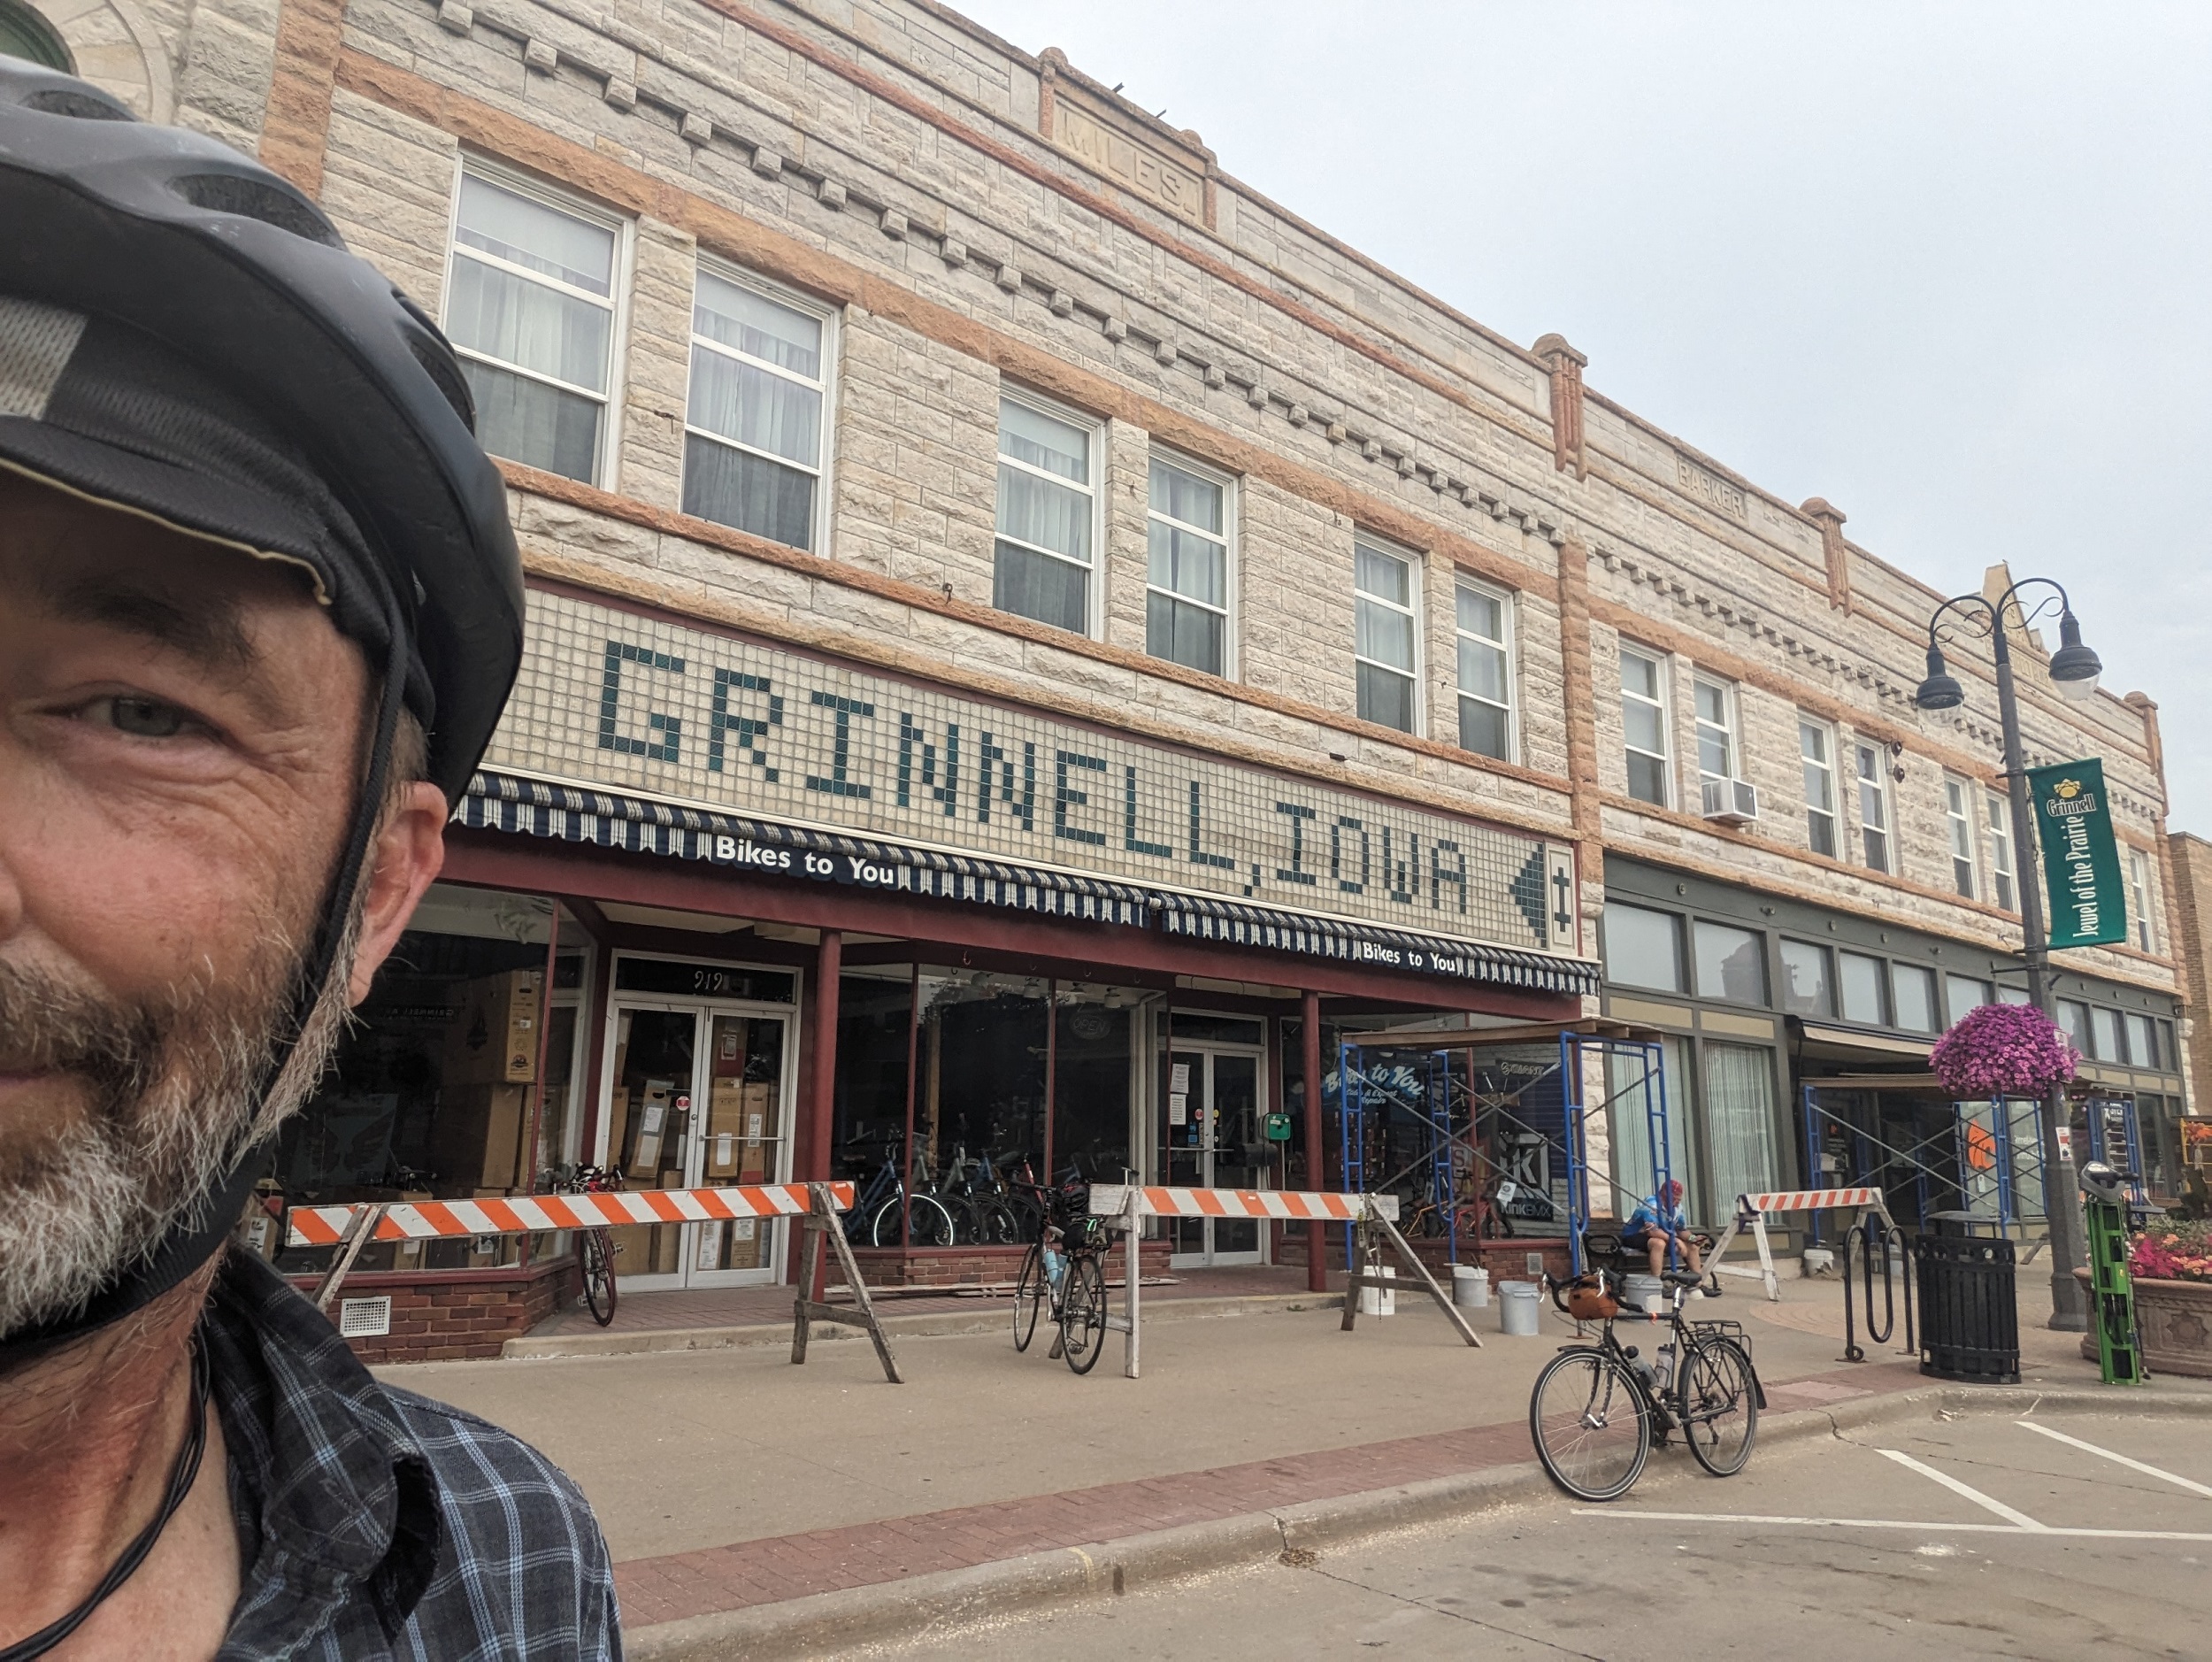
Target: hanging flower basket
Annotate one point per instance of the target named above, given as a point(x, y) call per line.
point(2003, 1051)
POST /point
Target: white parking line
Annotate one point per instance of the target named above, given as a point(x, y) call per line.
point(2041, 1531)
point(2020, 1520)
point(2117, 1460)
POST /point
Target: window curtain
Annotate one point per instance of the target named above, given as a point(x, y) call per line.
point(1740, 1115)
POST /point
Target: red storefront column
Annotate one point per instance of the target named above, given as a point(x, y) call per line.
point(822, 1110)
point(1317, 1166)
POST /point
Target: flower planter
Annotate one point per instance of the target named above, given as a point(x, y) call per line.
point(2175, 1319)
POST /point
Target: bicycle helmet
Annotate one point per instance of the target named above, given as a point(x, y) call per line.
point(184, 336)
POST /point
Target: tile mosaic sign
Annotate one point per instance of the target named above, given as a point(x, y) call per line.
point(620, 701)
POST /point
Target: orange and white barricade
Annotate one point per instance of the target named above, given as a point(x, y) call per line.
point(1128, 1205)
point(528, 1214)
point(1752, 1212)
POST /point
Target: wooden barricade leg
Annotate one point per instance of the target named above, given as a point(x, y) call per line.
point(1413, 1263)
point(820, 1221)
point(1766, 1260)
point(1357, 1276)
point(1134, 1221)
point(359, 1233)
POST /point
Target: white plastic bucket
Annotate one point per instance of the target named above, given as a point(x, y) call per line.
point(1379, 1301)
point(1471, 1286)
point(1646, 1293)
point(1517, 1308)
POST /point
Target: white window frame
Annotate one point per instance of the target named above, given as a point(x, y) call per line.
point(2003, 870)
point(1416, 582)
point(1094, 433)
point(605, 470)
point(1506, 624)
point(1664, 668)
point(1878, 783)
point(1226, 537)
point(828, 316)
point(2140, 896)
point(1958, 815)
point(1825, 767)
point(1730, 726)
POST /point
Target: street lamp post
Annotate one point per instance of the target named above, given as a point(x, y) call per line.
point(2074, 672)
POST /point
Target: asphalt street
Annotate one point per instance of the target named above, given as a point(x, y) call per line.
point(1958, 1538)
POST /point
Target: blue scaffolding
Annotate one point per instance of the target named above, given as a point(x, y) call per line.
point(1983, 1158)
point(1532, 1083)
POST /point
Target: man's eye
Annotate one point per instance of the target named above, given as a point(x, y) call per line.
point(145, 719)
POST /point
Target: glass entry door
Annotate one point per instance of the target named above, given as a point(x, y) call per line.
point(1216, 1138)
point(695, 1100)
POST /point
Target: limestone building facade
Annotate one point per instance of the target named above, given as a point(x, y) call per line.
point(927, 459)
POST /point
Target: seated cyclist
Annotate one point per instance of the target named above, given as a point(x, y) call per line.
point(1658, 1223)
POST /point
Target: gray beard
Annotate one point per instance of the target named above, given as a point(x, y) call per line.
point(171, 1108)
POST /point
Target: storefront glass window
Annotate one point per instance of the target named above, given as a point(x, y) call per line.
point(1643, 948)
point(1731, 964)
point(1805, 989)
point(1632, 1172)
point(434, 1091)
point(1914, 990)
point(1861, 980)
point(1739, 1118)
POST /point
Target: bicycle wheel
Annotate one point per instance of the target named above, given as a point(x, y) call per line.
point(1030, 1293)
point(596, 1252)
point(1083, 1314)
point(1718, 1406)
point(1587, 1419)
point(1001, 1228)
point(928, 1223)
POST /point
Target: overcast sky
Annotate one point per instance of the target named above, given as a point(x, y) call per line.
point(1948, 265)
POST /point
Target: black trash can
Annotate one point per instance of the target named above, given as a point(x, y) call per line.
point(1969, 1313)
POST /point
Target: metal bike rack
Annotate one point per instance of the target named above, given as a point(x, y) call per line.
point(1873, 1235)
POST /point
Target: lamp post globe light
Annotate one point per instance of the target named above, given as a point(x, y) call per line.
point(2074, 670)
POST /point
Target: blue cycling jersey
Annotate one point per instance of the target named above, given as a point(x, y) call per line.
point(1650, 1215)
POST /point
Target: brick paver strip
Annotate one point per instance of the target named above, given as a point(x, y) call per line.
point(774, 1568)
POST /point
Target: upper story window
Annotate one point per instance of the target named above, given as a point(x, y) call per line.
point(1817, 744)
point(1807, 990)
point(1962, 993)
point(530, 308)
point(2073, 1016)
point(2001, 873)
point(1913, 996)
point(1644, 726)
point(1958, 813)
point(1048, 512)
point(1715, 729)
point(1732, 963)
point(1387, 601)
point(1643, 948)
point(753, 438)
point(1874, 826)
point(1483, 620)
point(1864, 984)
point(2139, 898)
point(1187, 600)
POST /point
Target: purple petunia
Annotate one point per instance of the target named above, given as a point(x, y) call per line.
point(2003, 1051)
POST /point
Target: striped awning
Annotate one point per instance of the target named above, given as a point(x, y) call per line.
point(504, 802)
point(1242, 925)
point(639, 824)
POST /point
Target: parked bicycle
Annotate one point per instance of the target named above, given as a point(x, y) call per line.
point(1597, 1409)
point(877, 1203)
point(1064, 1268)
point(595, 1246)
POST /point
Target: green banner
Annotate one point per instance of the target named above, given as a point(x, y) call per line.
point(2081, 862)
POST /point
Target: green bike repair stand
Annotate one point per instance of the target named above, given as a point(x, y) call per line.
point(2104, 1210)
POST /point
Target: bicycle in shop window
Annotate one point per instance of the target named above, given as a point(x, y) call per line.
point(1064, 1268)
point(1598, 1409)
point(595, 1246)
point(879, 1202)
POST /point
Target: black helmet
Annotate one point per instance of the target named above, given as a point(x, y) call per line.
point(210, 354)
point(183, 335)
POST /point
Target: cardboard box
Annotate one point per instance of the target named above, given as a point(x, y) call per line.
point(493, 1040)
point(748, 1240)
point(655, 1110)
point(476, 1140)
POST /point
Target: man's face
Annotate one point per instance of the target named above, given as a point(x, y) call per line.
point(179, 745)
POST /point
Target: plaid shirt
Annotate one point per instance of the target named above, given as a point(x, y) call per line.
point(374, 1523)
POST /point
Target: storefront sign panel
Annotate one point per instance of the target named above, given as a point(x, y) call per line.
point(2081, 861)
point(611, 699)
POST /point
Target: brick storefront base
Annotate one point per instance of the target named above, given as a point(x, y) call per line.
point(452, 1315)
point(971, 1266)
point(1506, 1260)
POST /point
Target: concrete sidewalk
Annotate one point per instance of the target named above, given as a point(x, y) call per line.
point(740, 1493)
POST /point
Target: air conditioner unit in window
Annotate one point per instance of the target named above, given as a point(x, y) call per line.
point(1731, 801)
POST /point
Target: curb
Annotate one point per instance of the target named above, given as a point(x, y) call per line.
point(988, 1317)
point(923, 1605)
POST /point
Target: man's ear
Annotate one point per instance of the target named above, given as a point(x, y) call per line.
point(407, 854)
